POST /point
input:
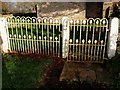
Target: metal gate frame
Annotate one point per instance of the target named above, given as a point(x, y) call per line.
point(85, 40)
point(34, 35)
point(74, 43)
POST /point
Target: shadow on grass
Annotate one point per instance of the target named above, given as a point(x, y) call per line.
point(20, 71)
point(32, 71)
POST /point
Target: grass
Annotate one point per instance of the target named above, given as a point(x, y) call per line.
point(20, 71)
point(29, 71)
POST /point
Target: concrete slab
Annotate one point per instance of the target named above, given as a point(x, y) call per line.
point(75, 71)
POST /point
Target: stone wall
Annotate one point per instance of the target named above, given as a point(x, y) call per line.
point(60, 9)
point(107, 5)
point(47, 9)
point(18, 7)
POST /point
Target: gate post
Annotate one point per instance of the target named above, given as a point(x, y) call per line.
point(4, 35)
point(65, 37)
point(112, 37)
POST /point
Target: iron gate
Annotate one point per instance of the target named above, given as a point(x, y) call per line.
point(34, 35)
point(87, 40)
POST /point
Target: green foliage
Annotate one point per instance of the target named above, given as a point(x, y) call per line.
point(116, 11)
point(34, 30)
point(22, 74)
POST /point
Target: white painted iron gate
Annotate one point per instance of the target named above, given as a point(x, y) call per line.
point(34, 35)
point(87, 40)
point(76, 40)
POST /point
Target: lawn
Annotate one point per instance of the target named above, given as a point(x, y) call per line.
point(23, 71)
point(37, 71)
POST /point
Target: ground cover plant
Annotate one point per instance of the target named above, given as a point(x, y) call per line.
point(35, 71)
point(20, 71)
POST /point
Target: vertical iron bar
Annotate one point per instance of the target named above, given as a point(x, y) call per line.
point(86, 40)
point(89, 49)
point(25, 35)
point(40, 45)
point(73, 40)
point(20, 38)
point(32, 36)
point(21, 45)
point(76, 49)
point(18, 35)
point(95, 50)
point(35, 41)
point(16, 45)
point(22, 35)
point(27, 47)
point(12, 48)
point(70, 49)
point(25, 42)
point(48, 37)
point(37, 36)
point(98, 42)
point(89, 52)
point(53, 38)
point(71, 53)
point(83, 49)
point(13, 36)
point(56, 46)
point(92, 40)
point(101, 47)
point(18, 41)
point(45, 45)
point(97, 30)
point(33, 44)
point(59, 40)
point(11, 43)
point(42, 36)
point(80, 42)
point(50, 45)
point(56, 36)
point(45, 26)
point(29, 43)
point(106, 31)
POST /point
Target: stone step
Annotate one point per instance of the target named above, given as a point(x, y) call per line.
point(77, 71)
point(73, 71)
